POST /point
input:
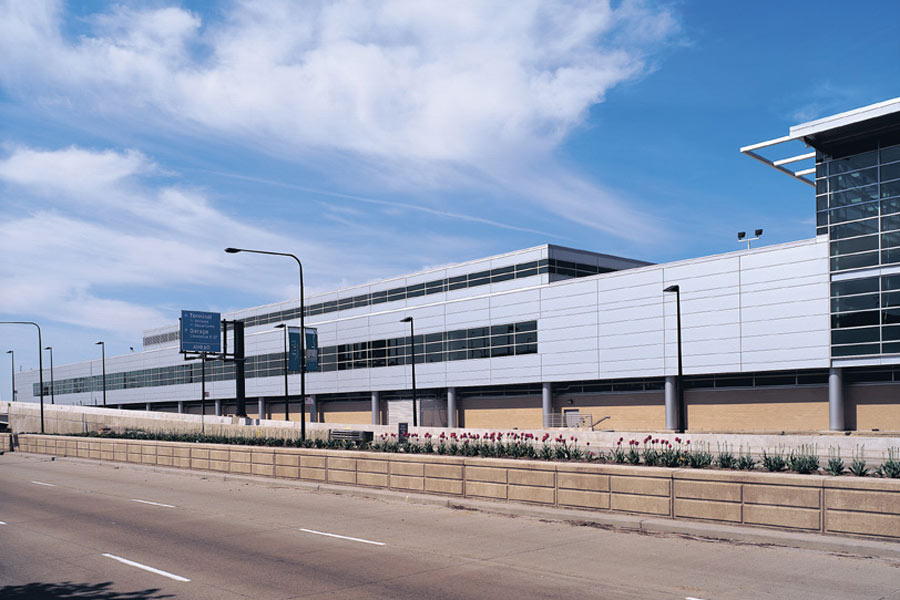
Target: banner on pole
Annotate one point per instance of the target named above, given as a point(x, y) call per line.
point(294, 349)
point(312, 350)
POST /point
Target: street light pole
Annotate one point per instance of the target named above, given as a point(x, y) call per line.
point(103, 356)
point(52, 391)
point(302, 332)
point(40, 361)
point(679, 385)
point(412, 354)
point(13, 365)
point(287, 416)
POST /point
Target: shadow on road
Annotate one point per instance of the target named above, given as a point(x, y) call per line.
point(68, 590)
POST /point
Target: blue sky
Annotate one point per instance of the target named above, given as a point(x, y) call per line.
point(376, 138)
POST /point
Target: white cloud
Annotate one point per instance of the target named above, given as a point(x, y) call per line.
point(441, 93)
point(72, 236)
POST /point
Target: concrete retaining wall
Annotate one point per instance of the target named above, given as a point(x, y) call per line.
point(24, 417)
point(844, 505)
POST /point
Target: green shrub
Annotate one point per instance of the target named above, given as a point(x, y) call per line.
point(726, 459)
point(774, 460)
point(835, 466)
point(805, 460)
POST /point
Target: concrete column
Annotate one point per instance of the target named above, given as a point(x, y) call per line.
point(376, 409)
point(671, 403)
point(547, 402)
point(120, 407)
point(147, 407)
point(218, 408)
point(180, 407)
point(261, 408)
point(451, 407)
point(836, 400)
point(313, 409)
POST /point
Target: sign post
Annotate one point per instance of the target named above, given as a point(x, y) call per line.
point(201, 335)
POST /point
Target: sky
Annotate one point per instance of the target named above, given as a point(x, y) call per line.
point(377, 138)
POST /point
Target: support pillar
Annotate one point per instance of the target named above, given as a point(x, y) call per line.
point(671, 403)
point(218, 407)
point(261, 408)
point(313, 409)
point(451, 407)
point(147, 407)
point(836, 400)
point(376, 409)
point(547, 402)
point(181, 407)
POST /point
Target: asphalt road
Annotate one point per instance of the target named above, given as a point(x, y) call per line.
point(75, 529)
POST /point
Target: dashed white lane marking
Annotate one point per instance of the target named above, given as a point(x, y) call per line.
point(692, 598)
point(2, 522)
point(146, 568)
point(42, 483)
point(342, 537)
point(153, 503)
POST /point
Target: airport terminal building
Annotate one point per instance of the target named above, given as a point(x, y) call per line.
point(800, 336)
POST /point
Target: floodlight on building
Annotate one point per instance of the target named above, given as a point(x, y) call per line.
point(742, 237)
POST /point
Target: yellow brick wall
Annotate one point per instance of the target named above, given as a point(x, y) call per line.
point(877, 406)
point(501, 413)
point(346, 412)
point(628, 412)
point(758, 410)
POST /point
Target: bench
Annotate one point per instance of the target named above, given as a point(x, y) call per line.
point(345, 435)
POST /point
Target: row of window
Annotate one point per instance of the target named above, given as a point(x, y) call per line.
point(261, 365)
point(852, 193)
point(462, 344)
point(865, 316)
point(519, 271)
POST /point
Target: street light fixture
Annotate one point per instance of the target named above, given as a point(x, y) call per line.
point(412, 360)
point(679, 388)
point(103, 356)
point(40, 361)
point(302, 332)
point(13, 365)
point(52, 391)
point(287, 416)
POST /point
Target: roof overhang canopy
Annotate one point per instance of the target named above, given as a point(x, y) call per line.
point(830, 135)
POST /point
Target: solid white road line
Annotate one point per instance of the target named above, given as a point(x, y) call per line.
point(146, 568)
point(153, 503)
point(42, 483)
point(342, 537)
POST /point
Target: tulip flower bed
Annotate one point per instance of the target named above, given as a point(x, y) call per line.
point(650, 451)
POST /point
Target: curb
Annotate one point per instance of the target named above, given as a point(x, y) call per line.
point(702, 530)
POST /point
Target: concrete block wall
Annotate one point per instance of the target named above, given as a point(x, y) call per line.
point(24, 418)
point(841, 505)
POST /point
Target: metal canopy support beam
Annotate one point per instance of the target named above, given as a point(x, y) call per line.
point(777, 164)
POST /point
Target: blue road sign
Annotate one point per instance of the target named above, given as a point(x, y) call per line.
point(201, 331)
